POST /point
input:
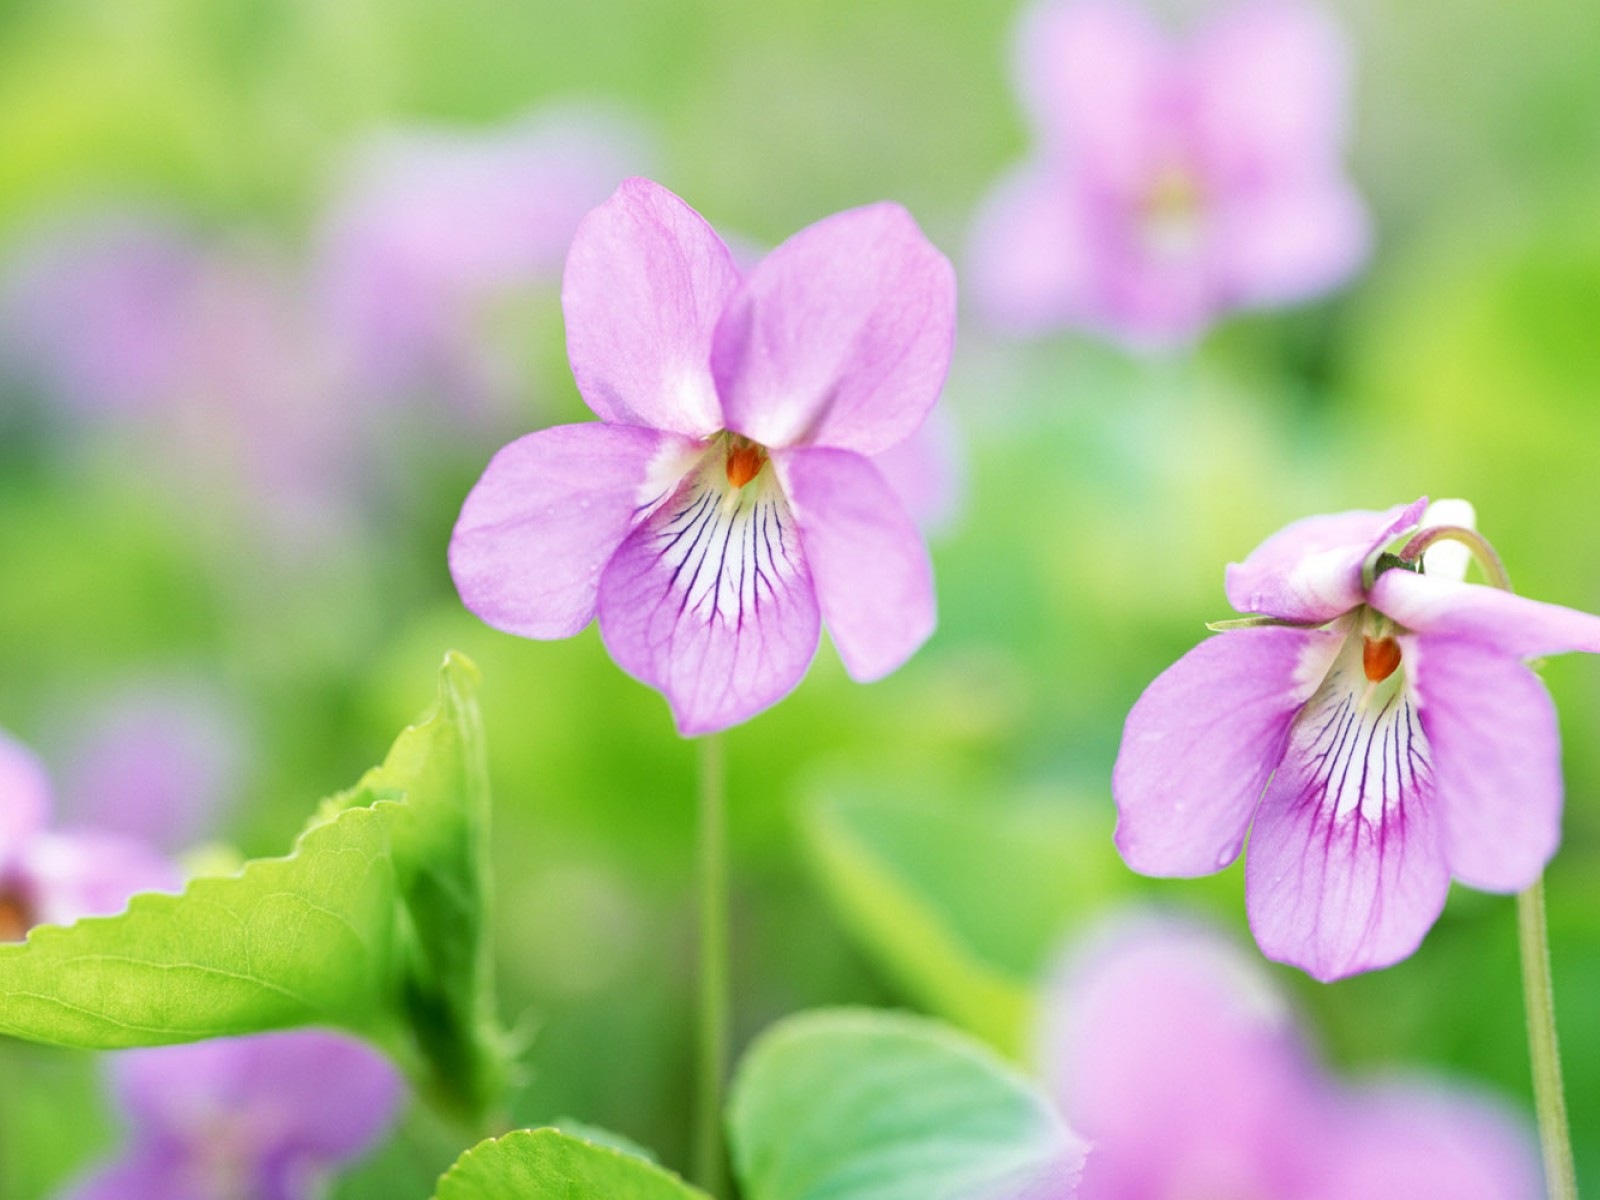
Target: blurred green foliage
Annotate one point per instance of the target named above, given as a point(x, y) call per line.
point(1104, 497)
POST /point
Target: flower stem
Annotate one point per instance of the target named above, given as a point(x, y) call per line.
point(710, 1161)
point(1533, 936)
point(1555, 1137)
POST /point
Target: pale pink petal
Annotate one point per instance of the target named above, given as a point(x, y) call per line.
point(1311, 570)
point(1168, 1048)
point(1289, 242)
point(1270, 78)
point(711, 601)
point(24, 797)
point(928, 472)
point(551, 509)
point(645, 282)
point(1404, 1141)
point(1510, 623)
point(1201, 743)
point(873, 578)
point(67, 876)
point(1096, 76)
point(841, 336)
point(1346, 869)
point(1032, 263)
point(1497, 756)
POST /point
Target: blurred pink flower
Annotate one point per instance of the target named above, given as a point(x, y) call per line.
point(269, 1117)
point(93, 309)
point(1171, 184)
point(726, 501)
point(56, 877)
point(431, 226)
point(1379, 734)
point(1171, 1052)
point(156, 760)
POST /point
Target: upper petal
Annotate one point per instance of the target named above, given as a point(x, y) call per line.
point(549, 512)
point(1201, 743)
point(710, 600)
point(1400, 1141)
point(645, 282)
point(1497, 760)
point(1270, 80)
point(1510, 623)
point(1092, 74)
point(1161, 1024)
point(24, 797)
point(1346, 869)
point(841, 336)
point(873, 578)
point(1311, 570)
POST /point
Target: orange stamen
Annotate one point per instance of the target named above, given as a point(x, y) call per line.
point(1379, 658)
point(744, 464)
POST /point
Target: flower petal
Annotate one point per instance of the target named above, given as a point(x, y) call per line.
point(1399, 1141)
point(928, 472)
point(1162, 1024)
point(153, 1172)
point(710, 600)
point(1093, 75)
point(24, 797)
point(873, 578)
point(1203, 740)
point(1510, 623)
point(1270, 78)
point(1497, 761)
point(69, 876)
point(1311, 570)
point(1032, 265)
point(308, 1092)
point(1346, 868)
point(841, 336)
point(549, 512)
point(1283, 244)
point(645, 281)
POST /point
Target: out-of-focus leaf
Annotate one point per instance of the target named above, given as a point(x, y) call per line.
point(546, 1164)
point(861, 1105)
point(963, 907)
point(374, 923)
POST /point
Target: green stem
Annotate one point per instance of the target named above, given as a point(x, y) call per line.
point(710, 1160)
point(1533, 936)
point(1555, 1137)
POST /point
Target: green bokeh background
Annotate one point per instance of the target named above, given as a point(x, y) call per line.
point(1104, 496)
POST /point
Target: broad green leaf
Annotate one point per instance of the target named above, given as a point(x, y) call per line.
point(546, 1164)
point(963, 907)
point(860, 1105)
point(374, 923)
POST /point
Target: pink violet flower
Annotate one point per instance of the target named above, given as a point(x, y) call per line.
point(1171, 183)
point(1172, 1053)
point(726, 503)
point(1380, 735)
point(55, 877)
point(269, 1117)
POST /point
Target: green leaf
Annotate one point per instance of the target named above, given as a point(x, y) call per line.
point(860, 1105)
point(546, 1164)
point(963, 907)
point(374, 923)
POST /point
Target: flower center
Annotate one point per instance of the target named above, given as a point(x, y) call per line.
point(1170, 211)
point(1380, 657)
point(16, 914)
point(745, 460)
